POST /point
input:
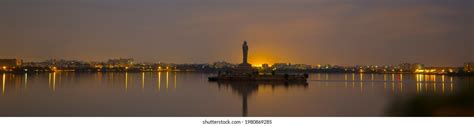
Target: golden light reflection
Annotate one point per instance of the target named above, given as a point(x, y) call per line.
point(54, 81)
point(385, 82)
point(353, 77)
point(401, 77)
point(143, 81)
point(427, 78)
point(393, 86)
point(372, 78)
point(442, 83)
point(99, 76)
point(26, 80)
point(345, 80)
point(393, 77)
point(167, 80)
point(3, 84)
point(126, 81)
point(401, 86)
point(419, 83)
point(422, 78)
point(451, 83)
point(49, 80)
point(401, 83)
point(159, 81)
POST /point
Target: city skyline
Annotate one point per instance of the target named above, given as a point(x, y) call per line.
point(433, 32)
point(212, 62)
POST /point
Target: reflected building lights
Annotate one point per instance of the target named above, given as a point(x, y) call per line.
point(427, 78)
point(3, 84)
point(393, 77)
point(167, 80)
point(26, 80)
point(159, 81)
point(393, 86)
point(385, 82)
point(353, 77)
point(54, 81)
point(361, 78)
point(423, 82)
point(401, 77)
point(143, 81)
point(401, 86)
point(442, 83)
point(345, 80)
point(401, 83)
point(451, 83)
point(372, 78)
point(49, 80)
point(417, 83)
point(126, 81)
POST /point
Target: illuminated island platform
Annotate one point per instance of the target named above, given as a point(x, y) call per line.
point(245, 72)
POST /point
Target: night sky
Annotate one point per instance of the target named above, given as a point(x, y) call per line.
point(344, 32)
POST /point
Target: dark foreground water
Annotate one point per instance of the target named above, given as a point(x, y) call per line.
point(190, 94)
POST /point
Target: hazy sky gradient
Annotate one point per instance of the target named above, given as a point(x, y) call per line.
point(345, 32)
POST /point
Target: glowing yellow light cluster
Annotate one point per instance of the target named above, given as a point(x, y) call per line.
point(257, 65)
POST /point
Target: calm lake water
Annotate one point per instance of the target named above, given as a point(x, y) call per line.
point(190, 94)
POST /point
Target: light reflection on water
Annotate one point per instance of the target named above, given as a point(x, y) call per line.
point(120, 94)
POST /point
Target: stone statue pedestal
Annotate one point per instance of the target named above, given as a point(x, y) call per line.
point(244, 68)
point(244, 65)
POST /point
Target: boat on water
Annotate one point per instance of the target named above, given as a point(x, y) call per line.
point(245, 72)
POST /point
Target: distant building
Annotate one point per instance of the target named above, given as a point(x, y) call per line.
point(412, 67)
point(291, 66)
point(11, 62)
point(279, 65)
point(120, 62)
point(223, 64)
point(468, 67)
